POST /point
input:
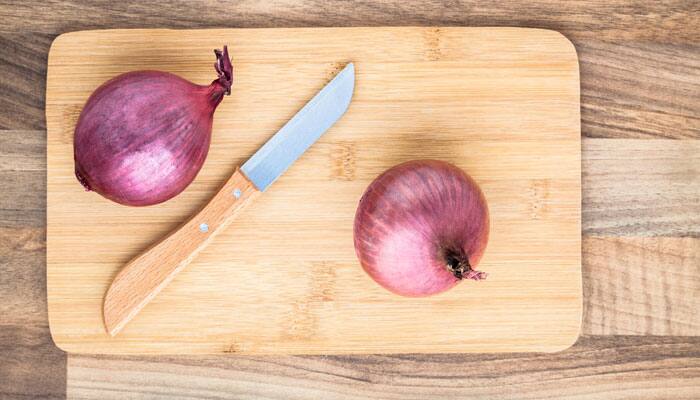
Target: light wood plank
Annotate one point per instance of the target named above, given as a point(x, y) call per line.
point(148, 273)
point(640, 89)
point(641, 187)
point(500, 103)
point(641, 286)
point(596, 367)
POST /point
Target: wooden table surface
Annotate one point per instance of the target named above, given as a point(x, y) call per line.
point(640, 110)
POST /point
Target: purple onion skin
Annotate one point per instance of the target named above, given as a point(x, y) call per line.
point(143, 136)
point(421, 227)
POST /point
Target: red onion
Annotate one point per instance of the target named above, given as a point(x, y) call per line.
point(143, 136)
point(421, 227)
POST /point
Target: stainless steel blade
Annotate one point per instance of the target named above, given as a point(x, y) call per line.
point(300, 132)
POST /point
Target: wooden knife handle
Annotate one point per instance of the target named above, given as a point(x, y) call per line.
point(146, 275)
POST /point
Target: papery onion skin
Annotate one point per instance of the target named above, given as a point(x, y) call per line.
point(421, 227)
point(143, 136)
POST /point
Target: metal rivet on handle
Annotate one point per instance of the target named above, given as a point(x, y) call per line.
point(237, 193)
point(204, 227)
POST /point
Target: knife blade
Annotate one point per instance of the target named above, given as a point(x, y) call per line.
point(297, 135)
point(147, 274)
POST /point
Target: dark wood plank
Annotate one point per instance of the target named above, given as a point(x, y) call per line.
point(610, 367)
point(641, 286)
point(30, 365)
point(641, 187)
point(618, 20)
point(640, 74)
point(23, 179)
point(23, 78)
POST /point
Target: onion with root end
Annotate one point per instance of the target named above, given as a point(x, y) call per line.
point(421, 227)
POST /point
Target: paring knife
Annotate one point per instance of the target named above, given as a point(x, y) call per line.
point(146, 275)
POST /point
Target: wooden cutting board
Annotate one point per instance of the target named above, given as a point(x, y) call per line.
point(501, 103)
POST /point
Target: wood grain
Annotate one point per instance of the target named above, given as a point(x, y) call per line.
point(150, 272)
point(641, 286)
point(638, 59)
point(500, 103)
point(618, 367)
point(23, 179)
point(23, 78)
point(610, 271)
point(629, 104)
point(640, 90)
point(641, 188)
point(617, 20)
point(30, 365)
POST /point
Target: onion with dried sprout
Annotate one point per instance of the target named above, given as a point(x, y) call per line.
point(143, 136)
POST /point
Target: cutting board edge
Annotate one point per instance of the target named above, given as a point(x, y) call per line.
point(569, 339)
point(68, 35)
point(68, 345)
point(76, 349)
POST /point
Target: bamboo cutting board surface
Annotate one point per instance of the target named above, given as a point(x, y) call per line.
point(501, 103)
